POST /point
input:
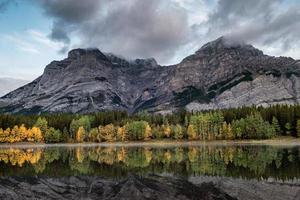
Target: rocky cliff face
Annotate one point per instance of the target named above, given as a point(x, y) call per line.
point(218, 75)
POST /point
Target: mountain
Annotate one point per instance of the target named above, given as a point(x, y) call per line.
point(9, 84)
point(219, 75)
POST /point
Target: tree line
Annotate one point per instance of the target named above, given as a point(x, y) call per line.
point(234, 123)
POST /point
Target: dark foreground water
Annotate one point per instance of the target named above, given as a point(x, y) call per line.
point(198, 172)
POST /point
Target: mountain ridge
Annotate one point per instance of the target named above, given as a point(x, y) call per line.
point(221, 74)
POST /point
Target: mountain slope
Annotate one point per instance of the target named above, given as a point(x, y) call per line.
point(218, 75)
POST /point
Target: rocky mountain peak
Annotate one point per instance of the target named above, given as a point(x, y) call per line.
point(224, 44)
point(118, 60)
point(76, 53)
point(149, 62)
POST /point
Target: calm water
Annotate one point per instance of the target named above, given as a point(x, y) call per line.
point(177, 172)
point(246, 162)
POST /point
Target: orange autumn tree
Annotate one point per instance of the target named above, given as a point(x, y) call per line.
point(21, 134)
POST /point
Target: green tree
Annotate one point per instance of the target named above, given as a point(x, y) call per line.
point(84, 122)
point(253, 127)
point(42, 124)
point(276, 125)
point(52, 136)
point(93, 135)
point(136, 129)
point(177, 132)
point(157, 132)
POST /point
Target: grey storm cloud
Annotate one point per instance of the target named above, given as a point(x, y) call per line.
point(257, 21)
point(72, 11)
point(68, 14)
point(161, 28)
point(131, 28)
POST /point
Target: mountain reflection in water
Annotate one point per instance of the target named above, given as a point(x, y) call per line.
point(211, 172)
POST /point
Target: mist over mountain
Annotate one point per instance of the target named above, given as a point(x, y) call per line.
point(221, 74)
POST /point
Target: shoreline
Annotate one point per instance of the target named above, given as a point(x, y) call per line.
point(279, 141)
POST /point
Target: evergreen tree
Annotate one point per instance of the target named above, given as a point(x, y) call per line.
point(276, 126)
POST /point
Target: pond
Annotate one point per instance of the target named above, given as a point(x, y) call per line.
point(147, 172)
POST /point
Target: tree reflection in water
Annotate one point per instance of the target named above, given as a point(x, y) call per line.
point(232, 161)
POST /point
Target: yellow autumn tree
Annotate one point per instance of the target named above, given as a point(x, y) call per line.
point(122, 134)
point(2, 136)
point(148, 132)
point(107, 133)
point(14, 134)
point(23, 132)
point(80, 134)
point(229, 135)
point(6, 134)
point(192, 135)
point(167, 130)
point(37, 134)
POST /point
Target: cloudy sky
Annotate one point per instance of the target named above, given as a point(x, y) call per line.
point(35, 32)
